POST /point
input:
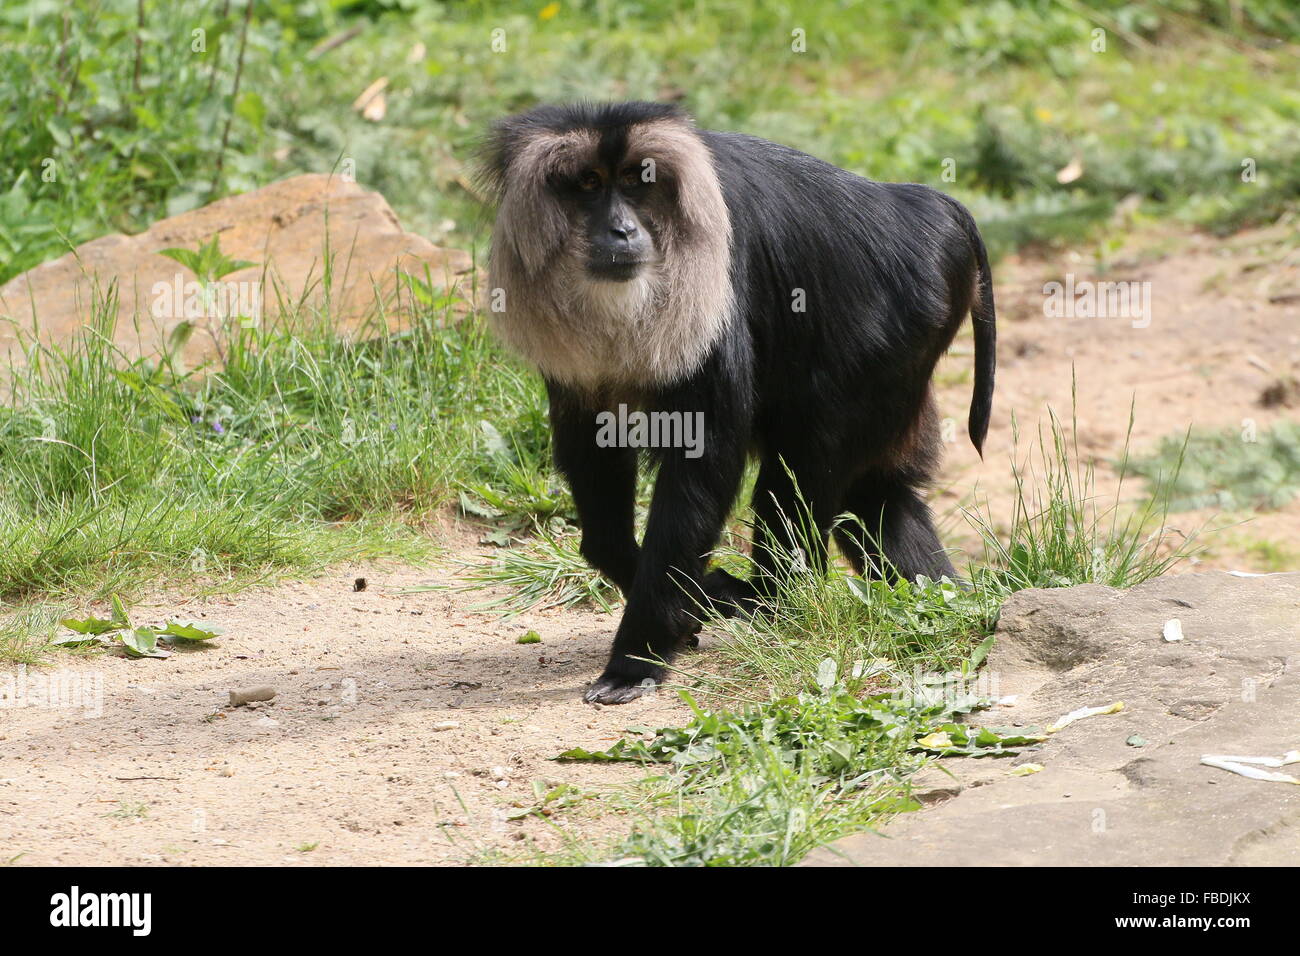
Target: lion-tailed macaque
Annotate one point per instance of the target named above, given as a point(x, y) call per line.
point(795, 310)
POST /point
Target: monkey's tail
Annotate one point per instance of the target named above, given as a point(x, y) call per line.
point(984, 319)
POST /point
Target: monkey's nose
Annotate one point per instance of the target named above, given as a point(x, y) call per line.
point(624, 231)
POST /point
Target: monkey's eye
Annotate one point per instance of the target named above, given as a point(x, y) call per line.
point(630, 178)
point(589, 181)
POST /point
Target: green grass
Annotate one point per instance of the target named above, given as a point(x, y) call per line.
point(1226, 470)
point(129, 811)
point(25, 633)
point(767, 785)
point(106, 135)
point(1063, 533)
point(544, 572)
point(1269, 556)
point(119, 475)
point(764, 784)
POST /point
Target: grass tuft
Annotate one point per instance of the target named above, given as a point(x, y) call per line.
point(545, 572)
point(1062, 533)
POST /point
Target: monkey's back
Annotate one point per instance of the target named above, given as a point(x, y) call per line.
point(877, 276)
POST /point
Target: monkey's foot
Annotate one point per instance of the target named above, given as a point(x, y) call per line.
point(729, 595)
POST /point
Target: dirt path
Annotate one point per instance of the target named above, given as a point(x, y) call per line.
point(347, 758)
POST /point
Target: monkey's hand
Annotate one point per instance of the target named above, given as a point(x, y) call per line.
point(631, 678)
point(614, 688)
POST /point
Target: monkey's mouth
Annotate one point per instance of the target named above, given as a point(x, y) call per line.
point(616, 268)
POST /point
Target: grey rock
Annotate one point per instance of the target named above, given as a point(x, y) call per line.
point(1232, 686)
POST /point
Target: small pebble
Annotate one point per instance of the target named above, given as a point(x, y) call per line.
point(239, 698)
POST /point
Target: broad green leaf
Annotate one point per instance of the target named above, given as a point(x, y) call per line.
point(190, 631)
point(91, 625)
point(142, 642)
point(186, 257)
point(981, 652)
point(472, 507)
point(624, 750)
point(77, 640)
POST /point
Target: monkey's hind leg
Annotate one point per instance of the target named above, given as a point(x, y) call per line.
point(727, 594)
point(794, 509)
point(895, 531)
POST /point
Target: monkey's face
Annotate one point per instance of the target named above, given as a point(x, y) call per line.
point(611, 215)
point(611, 254)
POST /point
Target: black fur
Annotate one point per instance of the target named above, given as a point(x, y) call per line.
point(835, 400)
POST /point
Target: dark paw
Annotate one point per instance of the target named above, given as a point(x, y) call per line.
point(613, 689)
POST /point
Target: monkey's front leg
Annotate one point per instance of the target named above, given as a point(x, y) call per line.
point(603, 482)
point(691, 500)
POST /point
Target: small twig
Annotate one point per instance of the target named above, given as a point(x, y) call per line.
point(145, 778)
point(139, 43)
point(334, 42)
point(234, 96)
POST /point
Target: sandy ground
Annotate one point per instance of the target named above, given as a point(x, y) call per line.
point(347, 765)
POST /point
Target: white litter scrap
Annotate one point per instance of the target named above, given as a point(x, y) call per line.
point(1291, 756)
point(1083, 712)
point(1250, 766)
point(1173, 629)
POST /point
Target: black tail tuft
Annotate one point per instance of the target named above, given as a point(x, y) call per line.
point(984, 319)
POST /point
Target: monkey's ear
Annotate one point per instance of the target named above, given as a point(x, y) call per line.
point(530, 221)
point(702, 209)
point(492, 155)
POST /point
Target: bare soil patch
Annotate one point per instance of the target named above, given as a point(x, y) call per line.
point(347, 765)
